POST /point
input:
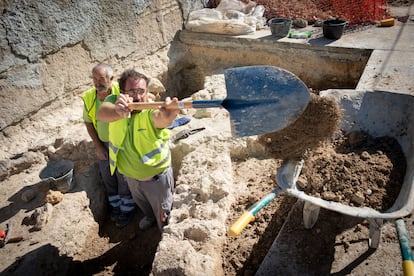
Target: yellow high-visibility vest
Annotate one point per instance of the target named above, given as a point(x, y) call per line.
point(150, 143)
point(89, 100)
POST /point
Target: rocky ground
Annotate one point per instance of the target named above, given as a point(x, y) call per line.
point(108, 250)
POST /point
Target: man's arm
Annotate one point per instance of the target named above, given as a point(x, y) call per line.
point(107, 113)
point(110, 112)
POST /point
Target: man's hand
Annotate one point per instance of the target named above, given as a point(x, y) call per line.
point(121, 105)
point(169, 113)
point(101, 153)
point(164, 116)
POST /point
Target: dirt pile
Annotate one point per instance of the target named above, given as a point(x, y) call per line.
point(317, 123)
point(354, 169)
point(357, 169)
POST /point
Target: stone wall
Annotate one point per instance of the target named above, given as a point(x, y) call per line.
point(48, 47)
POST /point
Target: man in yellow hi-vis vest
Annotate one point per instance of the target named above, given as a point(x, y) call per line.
point(116, 187)
point(139, 147)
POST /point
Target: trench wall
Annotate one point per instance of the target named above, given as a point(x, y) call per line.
point(48, 47)
point(197, 55)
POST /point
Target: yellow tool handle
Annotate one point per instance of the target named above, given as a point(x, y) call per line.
point(155, 105)
point(406, 253)
point(248, 215)
point(241, 223)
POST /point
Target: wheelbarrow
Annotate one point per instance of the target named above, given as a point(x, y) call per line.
point(59, 175)
point(378, 113)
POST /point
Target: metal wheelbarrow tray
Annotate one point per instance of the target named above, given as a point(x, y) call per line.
point(379, 114)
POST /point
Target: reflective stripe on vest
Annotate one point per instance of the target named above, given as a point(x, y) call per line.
point(113, 151)
point(144, 142)
point(113, 148)
point(147, 157)
point(117, 133)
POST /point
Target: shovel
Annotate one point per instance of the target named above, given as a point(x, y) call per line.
point(260, 99)
point(249, 215)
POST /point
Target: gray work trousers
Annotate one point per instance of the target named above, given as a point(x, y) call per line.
point(154, 197)
point(116, 188)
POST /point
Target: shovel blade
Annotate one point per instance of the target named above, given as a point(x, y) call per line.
point(263, 99)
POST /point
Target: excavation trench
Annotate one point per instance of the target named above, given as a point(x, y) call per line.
point(217, 175)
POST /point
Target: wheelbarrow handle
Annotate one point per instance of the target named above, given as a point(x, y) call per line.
point(249, 215)
point(404, 240)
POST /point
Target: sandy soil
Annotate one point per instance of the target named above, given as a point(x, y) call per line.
point(356, 170)
point(131, 251)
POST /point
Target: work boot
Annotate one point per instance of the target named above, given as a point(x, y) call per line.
point(115, 212)
point(124, 219)
point(146, 223)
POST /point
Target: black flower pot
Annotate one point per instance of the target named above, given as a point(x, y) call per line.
point(280, 27)
point(333, 28)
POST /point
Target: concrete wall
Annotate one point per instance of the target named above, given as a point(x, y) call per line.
point(319, 67)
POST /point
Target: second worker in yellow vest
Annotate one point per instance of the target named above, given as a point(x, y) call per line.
point(120, 199)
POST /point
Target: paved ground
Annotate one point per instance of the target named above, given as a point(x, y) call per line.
point(390, 68)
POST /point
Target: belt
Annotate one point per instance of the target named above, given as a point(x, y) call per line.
point(155, 177)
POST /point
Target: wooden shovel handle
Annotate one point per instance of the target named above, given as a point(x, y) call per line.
point(155, 105)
